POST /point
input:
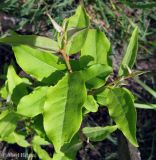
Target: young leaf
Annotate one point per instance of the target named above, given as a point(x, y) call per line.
point(31, 105)
point(130, 55)
point(79, 20)
point(63, 108)
point(76, 42)
point(37, 63)
point(121, 109)
point(98, 133)
point(97, 46)
point(8, 124)
point(77, 28)
point(16, 138)
point(90, 104)
point(40, 42)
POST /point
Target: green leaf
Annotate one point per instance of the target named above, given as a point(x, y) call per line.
point(96, 70)
point(97, 46)
point(40, 141)
point(31, 105)
point(76, 42)
point(16, 86)
point(147, 88)
point(90, 104)
point(98, 133)
point(63, 108)
point(42, 154)
point(16, 138)
point(37, 63)
point(40, 42)
point(77, 28)
point(121, 109)
point(79, 20)
point(130, 55)
point(145, 106)
point(13, 79)
point(38, 125)
point(8, 124)
point(4, 91)
point(70, 149)
point(96, 75)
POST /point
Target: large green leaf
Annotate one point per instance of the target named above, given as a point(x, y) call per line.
point(79, 20)
point(130, 55)
point(32, 104)
point(63, 109)
point(97, 46)
point(8, 124)
point(40, 42)
point(98, 133)
point(37, 63)
point(121, 108)
point(91, 104)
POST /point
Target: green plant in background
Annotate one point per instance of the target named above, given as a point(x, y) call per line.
point(50, 101)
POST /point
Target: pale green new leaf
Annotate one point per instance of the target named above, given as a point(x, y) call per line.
point(8, 124)
point(97, 46)
point(37, 63)
point(79, 20)
point(40, 42)
point(121, 109)
point(76, 42)
point(63, 109)
point(98, 133)
point(16, 138)
point(76, 30)
point(130, 55)
point(31, 105)
point(90, 104)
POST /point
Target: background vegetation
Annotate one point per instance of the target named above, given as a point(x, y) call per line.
point(117, 19)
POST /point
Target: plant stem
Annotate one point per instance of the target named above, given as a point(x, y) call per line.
point(66, 58)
